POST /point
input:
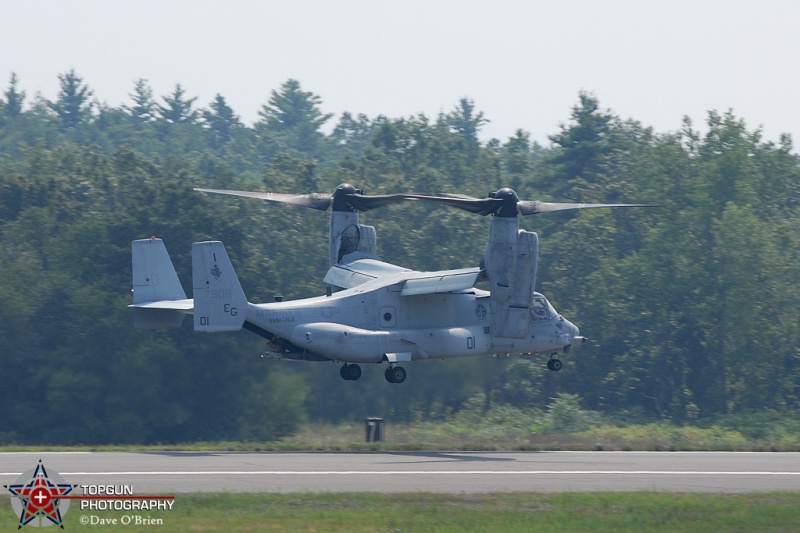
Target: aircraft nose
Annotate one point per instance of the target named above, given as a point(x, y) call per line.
point(574, 333)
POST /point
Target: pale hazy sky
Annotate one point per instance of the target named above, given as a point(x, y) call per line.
point(522, 62)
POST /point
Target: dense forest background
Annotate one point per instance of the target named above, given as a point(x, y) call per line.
point(693, 310)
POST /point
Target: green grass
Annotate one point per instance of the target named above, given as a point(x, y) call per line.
point(506, 428)
point(528, 512)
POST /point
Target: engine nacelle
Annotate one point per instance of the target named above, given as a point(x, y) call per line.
point(511, 259)
point(348, 236)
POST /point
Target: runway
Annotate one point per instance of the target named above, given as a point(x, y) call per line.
point(445, 472)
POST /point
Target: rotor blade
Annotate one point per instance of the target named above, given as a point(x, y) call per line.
point(365, 203)
point(314, 200)
point(535, 207)
point(479, 206)
point(458, 195)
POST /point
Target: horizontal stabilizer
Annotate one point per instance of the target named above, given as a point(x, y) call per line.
point(219, 302)
point(175, 305)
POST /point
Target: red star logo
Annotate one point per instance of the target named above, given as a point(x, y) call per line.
point(40, 497)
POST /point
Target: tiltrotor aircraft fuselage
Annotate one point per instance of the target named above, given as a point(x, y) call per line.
point(372, 311)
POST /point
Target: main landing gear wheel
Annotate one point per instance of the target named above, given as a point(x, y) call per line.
point(555, 365)
point(350, 372)
point(395, 374)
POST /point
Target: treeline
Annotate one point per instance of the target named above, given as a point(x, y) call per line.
point(692, 309)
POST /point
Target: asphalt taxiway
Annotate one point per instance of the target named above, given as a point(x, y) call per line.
point(450, 472)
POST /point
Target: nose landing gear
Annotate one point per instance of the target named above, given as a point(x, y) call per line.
point(555, 365)
point(395, 374)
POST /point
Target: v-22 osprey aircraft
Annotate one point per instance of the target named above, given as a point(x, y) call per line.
point(373, 311)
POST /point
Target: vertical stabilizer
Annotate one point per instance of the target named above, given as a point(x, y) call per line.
point(159, 301)
point(154, 277)
point(219, 302)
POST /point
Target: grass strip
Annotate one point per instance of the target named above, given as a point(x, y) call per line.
point(497, 512)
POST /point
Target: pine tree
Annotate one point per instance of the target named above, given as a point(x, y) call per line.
point(72, 106)
point(143, 109)
point(293, 115)
point(178, 108)
point(221, 122)
point(14, 99)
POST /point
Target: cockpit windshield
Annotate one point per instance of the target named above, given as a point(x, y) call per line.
point(540, 308)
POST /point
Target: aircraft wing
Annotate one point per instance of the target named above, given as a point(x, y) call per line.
point(376, 273)
point(441, 281)
point(353, 273)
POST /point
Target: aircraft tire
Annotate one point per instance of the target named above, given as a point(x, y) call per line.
point(396, 374)
point(350, 372)
point(555, 365)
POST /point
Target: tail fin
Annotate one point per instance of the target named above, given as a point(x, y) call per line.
point(220, 303)
point(159, 301)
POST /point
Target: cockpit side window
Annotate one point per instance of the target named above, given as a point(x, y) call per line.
point(539, 309)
